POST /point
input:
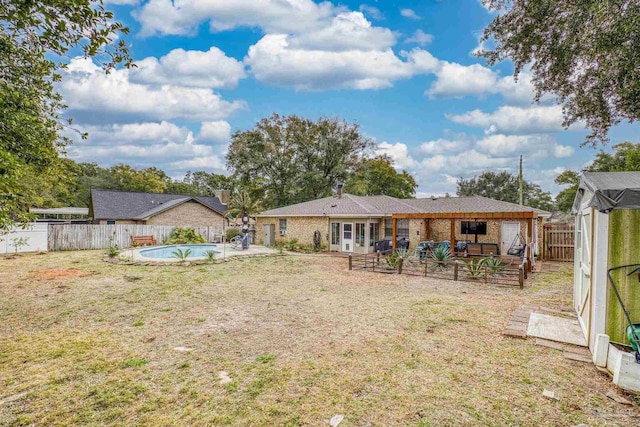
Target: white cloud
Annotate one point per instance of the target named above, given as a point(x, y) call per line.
point(347, 31)
point(537, 146)
point(210, 69)
point(409, 13)
point(514, 120)
point(372, 11)
point(165, 145)
point(87, 88)
point(420, 37)
point(274, 61)
point(182, 17)
point(456, 80)
point(218, 131)
point(466, 162)
point(443, 146)
point(399, 153)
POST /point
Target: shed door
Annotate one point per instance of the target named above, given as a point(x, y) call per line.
point(347, 237)
point(582, 296)
point(510, 230)
point(268, 234)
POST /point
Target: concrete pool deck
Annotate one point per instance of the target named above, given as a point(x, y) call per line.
point(225, 250)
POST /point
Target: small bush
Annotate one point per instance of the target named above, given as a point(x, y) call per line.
point(183, 236)
point(232, 232)
point(181, 255)
point(291, 244)
point(211, 255)
point(113, 251)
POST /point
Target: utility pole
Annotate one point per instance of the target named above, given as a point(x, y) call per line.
point(520, 190)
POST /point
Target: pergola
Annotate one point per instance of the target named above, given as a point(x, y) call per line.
point(475, 216)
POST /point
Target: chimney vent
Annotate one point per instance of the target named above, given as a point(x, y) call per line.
point(339, 189)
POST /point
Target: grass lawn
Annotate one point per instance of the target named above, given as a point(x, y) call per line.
point(282, 341)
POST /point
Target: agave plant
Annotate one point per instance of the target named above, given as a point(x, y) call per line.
point(113, 251)
point(403, 253)
point(211, 255)
point(441, 255)
point(474, 267)
point(494, 265)
point(182, 255)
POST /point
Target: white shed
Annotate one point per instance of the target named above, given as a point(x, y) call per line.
point(607, 209)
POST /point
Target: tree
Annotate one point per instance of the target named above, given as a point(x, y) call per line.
point(202, 183)
point(285, 160)
point(35, 38)
point(149, 180)
point(242, 202)
point(504, 186)
point(583, 52)
point(564, 199)
point(377, 176)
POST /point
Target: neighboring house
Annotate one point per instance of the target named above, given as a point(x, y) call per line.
point(351, 223)
point(607, 209)
point(122, 207)
point(67, 215)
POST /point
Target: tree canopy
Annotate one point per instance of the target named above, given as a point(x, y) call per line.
point(377, 176)
point(585, 53)
point(286, 160)
point(35, 38)
point(505, 186)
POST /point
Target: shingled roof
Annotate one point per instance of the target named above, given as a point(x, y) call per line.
point(113, 204)
point(379, 206)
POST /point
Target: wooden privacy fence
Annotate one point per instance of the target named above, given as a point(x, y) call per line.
point(73, 237)
point(507, 275)
point(558, 242)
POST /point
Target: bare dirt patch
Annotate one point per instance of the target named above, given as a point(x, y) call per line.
point(60, 273)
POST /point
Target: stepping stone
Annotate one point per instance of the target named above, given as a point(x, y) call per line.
point(183, 349)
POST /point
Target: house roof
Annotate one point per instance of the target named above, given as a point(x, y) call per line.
point(113, 204)
point(609, 190)
point(470, 204)
point(378, 206)
point(347, 205)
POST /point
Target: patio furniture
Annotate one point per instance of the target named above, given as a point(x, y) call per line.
point(143, 240)
point(483, 249)
point(383, 245)
point(402, 243)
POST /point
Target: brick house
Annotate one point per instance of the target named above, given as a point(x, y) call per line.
point(349, 223)
point(123, 207)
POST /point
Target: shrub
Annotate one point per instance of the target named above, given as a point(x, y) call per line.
point(232, 232)
point(291, 244)
point(184, 235)
point(113, 251)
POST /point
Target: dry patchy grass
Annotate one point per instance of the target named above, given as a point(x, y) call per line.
point(299, 337)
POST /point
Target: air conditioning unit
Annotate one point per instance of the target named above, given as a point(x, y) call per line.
point(283, 232)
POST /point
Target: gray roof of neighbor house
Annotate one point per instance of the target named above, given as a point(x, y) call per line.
point(377, 206)
point(609, 190)
point(113, 204)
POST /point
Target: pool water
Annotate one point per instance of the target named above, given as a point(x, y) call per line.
point(197, 251)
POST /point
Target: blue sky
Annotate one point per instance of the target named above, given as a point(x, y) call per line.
point(403, 70)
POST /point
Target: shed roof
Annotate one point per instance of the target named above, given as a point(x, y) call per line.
point(113, 204)
point(609, 190)
point(378, 206)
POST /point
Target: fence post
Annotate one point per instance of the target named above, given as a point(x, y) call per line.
point(526, 269)
point(521, 276)
point(350, 262)
point(378, 257)
point(400, 266)
point(426, 267)
point(455, 270)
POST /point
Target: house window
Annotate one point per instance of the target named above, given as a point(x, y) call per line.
point(388, 228)
point(283, 227)
point(474, 227)
point(402, 228)
point(360, 234)
point(335, 233)
point(111, 222)
point(374, 233)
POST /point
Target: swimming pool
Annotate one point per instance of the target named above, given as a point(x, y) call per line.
point(167, 252)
